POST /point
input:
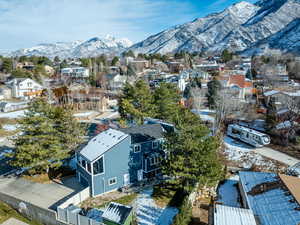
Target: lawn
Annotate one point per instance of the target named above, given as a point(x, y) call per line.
point(7, 212)
point(166, 194)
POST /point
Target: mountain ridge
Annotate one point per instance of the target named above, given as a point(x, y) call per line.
point(76, 49)
point(236, 28)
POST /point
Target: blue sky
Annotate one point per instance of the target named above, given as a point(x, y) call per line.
point(25, 23)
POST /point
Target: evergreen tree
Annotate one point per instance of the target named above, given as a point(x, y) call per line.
point(213, 87)
point(19, 73)
point(49, 135)
point(271, 118)
point(128, 54)
point(56, 59)
point(23, 58)
point(114, 61)
point(166, 101)
point(63, 64)
point(136, 102)
point(185, 215)
point(192, 153)
point(226, 56)
point(85, 62)
point(7, 65)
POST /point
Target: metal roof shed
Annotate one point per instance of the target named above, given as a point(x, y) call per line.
point(226, 215)
point(117, 214)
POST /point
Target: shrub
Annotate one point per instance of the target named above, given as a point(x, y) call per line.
point(185, 213)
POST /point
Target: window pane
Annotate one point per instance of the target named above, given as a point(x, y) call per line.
point(89, 167)
point(83, 163)
point(98, 166)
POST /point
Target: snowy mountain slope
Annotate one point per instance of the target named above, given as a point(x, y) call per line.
point(236, 28)
point(286, 40)
point(92, 47)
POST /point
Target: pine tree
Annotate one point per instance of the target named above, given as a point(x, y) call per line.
point(7, 65)
point(226, 56)
point(213, 87)
point(192, 153)
point(166, 101)
point(136, 102)
point(185, 215)
point(49, 135)
point(271, 118)
point(114, 61)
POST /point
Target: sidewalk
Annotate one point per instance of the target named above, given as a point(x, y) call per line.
point(276, 155)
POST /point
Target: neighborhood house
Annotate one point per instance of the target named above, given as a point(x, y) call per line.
point(117, 158)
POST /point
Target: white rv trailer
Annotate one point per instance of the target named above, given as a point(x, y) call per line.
point(247, 135)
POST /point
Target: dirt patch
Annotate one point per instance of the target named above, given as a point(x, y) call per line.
point(200, 212)
point(103, 200)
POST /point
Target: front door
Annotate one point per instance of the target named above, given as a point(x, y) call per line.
point(140, 175)
point(126, 179)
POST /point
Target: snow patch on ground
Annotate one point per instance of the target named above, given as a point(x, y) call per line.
point(84, 114)
point(228, 192)
point(9, 127)
point(205, 114)
point(148, 213)
point(13, 115)
point(244, 155)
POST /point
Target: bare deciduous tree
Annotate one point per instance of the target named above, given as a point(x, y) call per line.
point(227, 103)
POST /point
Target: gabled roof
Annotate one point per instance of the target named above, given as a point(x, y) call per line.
point(102, 143)
point(143, 133)
point(226, 215)
point(117, 213)
point(239, 80)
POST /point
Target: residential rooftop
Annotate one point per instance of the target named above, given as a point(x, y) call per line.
point(272, 198)
point(104, 141)
point(226, 215)
point(144, 133)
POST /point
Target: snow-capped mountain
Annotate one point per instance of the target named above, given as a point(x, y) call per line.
point(286, 40)
point(237, 28)
point(92, 47)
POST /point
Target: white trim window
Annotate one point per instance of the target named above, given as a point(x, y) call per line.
point(112, 181)
point(137, 148)
point(154, 144)
point(154, 160)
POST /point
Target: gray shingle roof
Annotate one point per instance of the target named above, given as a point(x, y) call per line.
point(143, 133)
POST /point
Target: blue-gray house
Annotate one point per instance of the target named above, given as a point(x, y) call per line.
point(118, 158)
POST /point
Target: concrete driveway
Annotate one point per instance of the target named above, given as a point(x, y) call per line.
point(47, 196)
point(13, 221)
